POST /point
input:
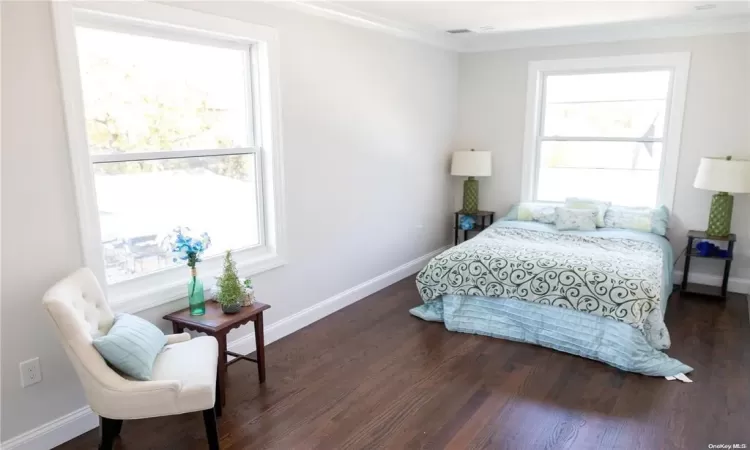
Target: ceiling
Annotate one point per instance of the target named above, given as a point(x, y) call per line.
point(496, 23)
point(508, 16)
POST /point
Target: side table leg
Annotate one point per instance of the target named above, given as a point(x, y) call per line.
point(260, 347)
point(727, 269)
point(455, 230)
point(221, 368)
point(177, 328)
point(686, 270)
point(725, 280)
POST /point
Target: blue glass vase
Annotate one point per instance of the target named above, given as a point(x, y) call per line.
point(195, 295)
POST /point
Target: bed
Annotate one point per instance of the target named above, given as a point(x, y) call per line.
point(597, 294)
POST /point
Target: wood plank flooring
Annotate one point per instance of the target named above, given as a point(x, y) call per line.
point(372, 376)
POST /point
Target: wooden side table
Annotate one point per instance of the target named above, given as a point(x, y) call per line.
point(217, 324)
point(479, 225)
point(692, 252)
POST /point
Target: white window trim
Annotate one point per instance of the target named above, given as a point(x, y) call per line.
point(677, 63)
point(168, 285)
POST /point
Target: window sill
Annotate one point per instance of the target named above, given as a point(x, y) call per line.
point(127, 299)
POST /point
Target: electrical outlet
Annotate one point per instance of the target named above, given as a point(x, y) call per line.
point(31, 372)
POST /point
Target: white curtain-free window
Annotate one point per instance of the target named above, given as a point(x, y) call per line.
point(605, 128)
point(173, 114)
point(169, 131)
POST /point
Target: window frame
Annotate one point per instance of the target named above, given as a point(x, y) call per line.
point(677, 63)
point(262, 83)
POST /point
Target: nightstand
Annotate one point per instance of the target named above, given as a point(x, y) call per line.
point(218, 324)
point(483, 220)
point(692, 252)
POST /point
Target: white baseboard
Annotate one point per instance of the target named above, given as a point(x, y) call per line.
point(288, 325)
point(736, 284)
point(56, 432)
point(67, 427)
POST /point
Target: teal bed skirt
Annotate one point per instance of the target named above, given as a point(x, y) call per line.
point(598, 338)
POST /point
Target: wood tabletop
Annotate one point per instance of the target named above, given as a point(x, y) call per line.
point(703, 235)
point(475, 213)
point(215, 319)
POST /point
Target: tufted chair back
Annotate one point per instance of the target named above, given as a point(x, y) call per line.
point(80, 312)
point(79, 303)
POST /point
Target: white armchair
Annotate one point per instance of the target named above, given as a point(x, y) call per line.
point(183, 377)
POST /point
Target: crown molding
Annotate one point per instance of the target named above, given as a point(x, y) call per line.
point(628, 31)
point(351, 16)
point(487, 42)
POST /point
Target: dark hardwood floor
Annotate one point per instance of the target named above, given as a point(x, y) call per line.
point(372, 376)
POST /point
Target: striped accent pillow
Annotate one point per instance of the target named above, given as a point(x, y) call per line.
point(131, 346)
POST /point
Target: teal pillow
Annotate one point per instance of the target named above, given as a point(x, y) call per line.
point(131, 346)
point(512, 213)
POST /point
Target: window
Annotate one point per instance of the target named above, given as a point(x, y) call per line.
point(606, 128)
point(176, 129)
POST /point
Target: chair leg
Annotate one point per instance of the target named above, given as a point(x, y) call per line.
point(217, 408)
point(212, 433)
point(109, 429)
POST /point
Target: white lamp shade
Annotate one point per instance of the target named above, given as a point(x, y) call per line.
point(723, 175)
point(471, 164)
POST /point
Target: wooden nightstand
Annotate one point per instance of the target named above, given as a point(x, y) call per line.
point(483, 220)
point(692, 252)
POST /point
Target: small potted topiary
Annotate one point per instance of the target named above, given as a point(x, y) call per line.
point(249, 298)
point(230, 290)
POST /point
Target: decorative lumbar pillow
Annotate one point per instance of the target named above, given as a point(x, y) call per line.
point(650, 220)
point(585, 203)
point(538, 212)
point(575, 219)
point(131, 346)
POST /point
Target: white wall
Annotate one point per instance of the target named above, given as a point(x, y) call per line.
point(367, 126)
point(368, 123)
point(492, 101)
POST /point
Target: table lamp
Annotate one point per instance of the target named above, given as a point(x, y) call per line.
point(471, 164)
point(725, 175)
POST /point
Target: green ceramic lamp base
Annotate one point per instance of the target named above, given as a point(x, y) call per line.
point(471, 195)
point(720, 217)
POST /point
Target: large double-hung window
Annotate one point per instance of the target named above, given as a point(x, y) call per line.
point(607, 128)
point(171, 124)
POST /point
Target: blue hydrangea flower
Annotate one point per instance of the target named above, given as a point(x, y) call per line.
point(187, 246)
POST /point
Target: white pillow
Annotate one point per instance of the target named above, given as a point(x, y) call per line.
point(575, 219)
point(585, 203)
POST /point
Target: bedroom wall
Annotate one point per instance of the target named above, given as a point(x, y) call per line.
point(367, 126)
point(492, 102)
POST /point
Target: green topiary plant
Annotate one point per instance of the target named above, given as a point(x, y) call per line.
point(230, 288)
